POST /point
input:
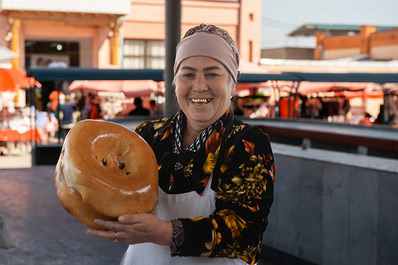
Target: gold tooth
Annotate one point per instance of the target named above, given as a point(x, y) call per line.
point(200, 100)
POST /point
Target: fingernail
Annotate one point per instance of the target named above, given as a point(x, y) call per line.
point(96, 221)
point(122, 218)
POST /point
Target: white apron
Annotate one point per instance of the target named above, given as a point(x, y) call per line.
point(170, 207)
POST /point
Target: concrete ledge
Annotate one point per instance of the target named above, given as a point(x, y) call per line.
point(363, 161)
point(334, 208)
point(46, 154)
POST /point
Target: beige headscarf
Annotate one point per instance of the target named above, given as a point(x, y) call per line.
point(209, 41)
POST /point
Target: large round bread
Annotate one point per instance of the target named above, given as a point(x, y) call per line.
point(105, 170)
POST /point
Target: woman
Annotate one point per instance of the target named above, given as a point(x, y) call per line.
point(50, 127)
point(215, 172)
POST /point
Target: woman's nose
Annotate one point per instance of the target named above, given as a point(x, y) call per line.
point(200, 84)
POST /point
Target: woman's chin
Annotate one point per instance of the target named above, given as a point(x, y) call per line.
point(204, 120)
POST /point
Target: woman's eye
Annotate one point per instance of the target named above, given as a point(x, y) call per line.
point(211, 75)
point(188, 75)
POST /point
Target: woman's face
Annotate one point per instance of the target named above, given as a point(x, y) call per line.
point(204, 89)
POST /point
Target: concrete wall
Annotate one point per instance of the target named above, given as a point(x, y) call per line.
point(334, 208)
point(288, 53)
point(384, 53)
point(340, 53)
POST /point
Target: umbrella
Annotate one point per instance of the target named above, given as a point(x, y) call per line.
point(12, 79)
point(131, 88)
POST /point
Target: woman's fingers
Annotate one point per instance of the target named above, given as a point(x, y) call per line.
point(104, 234)
point(110, 225)
point(133, 229)
point(127, 218)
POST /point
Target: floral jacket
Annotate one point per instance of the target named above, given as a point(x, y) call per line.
point(240, 158)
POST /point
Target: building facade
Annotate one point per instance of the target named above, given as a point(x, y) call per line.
point(290, 53)
point(371, 44)
point(369, 49)
point(116, 34)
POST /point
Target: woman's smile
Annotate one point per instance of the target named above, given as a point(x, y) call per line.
point(200, 101)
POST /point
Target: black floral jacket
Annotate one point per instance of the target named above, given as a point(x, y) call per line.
point(241, 160)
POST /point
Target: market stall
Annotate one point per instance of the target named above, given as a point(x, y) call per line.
point(117, 96)
point(17, 128)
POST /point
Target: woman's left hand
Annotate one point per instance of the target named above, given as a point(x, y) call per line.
point(135, 229)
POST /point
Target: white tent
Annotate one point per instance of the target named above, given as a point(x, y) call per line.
point(6, 54)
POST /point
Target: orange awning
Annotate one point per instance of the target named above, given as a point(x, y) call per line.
point(9, 135)
point(13, 79)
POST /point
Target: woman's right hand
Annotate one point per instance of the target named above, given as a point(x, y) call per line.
point(135, 229)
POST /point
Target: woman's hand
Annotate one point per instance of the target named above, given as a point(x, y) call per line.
point(135, 229)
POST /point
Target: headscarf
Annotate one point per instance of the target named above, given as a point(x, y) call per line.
point(209, 41)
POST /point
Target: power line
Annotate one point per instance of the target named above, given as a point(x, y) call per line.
point(276, 23)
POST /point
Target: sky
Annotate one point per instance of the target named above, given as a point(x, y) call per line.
point(280, 17)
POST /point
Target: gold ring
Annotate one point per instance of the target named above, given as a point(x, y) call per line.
point(115, 237)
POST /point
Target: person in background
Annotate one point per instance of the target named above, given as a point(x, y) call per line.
point(216, 172)
point(366, 120)
point(237, 110)
point(139, 109)
point(66, 116)
point(81, 104)
point(155, 109)
point(50, 127)
point(94, 111)
point(54, 97)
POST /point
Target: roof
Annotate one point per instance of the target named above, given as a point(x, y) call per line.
point(68, 74)
point(60, 74)
point(331, 29)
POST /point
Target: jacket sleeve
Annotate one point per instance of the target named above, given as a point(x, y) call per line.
point(149, 129)
point(243, 182)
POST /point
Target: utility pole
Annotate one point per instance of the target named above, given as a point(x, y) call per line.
point(173, 34)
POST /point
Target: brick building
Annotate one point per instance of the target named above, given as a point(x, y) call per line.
point(118, 33)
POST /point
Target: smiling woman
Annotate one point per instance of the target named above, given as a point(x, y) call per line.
point(216, 173)
point(203, 92)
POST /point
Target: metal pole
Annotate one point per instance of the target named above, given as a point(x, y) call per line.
point(173, 33)
point(386, 110)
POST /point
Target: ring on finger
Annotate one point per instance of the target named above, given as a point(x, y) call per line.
point(115, 237)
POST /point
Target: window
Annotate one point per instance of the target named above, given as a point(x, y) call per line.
point(144, 54)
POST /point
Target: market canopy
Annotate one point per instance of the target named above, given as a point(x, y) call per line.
point(379, 78)
point(346, 89)
point(13, 79)
point(130, 88)
point(72, 73)
point(306, 87)
point(68, 74)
